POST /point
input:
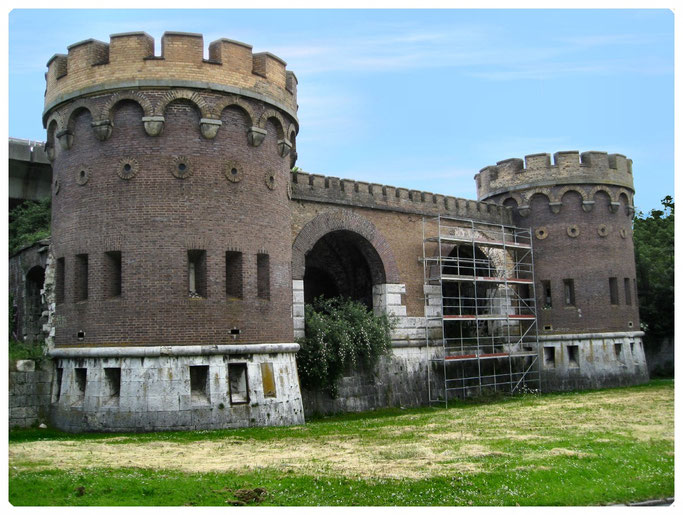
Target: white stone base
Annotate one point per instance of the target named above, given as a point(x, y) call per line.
point(157, 394)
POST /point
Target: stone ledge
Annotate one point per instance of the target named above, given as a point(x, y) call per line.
point(180, 350)
point(589, 336)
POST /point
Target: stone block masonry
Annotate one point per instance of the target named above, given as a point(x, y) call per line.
point(30, 386)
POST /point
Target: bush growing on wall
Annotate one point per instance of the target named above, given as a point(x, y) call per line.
point(341, 334)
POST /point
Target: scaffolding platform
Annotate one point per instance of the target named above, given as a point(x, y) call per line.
point(479, 287)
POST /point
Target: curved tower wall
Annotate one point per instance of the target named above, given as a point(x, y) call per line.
point(580, 208)
point(171, 229)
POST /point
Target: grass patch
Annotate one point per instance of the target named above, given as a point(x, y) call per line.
point(595, 447)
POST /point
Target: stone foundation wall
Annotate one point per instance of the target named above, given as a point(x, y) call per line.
point(599, 360)
point(175, 388)
point(29, 393)
point(399, 380)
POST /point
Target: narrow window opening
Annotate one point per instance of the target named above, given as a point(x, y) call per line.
point(547, 295)
point(633, 351)
point(263, 275)
point(81, 278)
point(627, 291)
point(619, 352)
point(613, 291)
point(569, 299)
point(196, 272)
point(233, 274)
point(59, 281)
point(60, 374)
point(80, 376)
point(199, 384)
point(549, 356)
point(573, 355)
point(112, 377)
point(239, 386)
point(268, 379)
point(112, 273)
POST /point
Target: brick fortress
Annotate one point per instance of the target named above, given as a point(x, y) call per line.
point(183, 250)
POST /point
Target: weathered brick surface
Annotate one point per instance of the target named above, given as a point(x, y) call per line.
point(154, 218)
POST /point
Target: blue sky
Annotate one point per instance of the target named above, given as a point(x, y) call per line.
point(422, 99)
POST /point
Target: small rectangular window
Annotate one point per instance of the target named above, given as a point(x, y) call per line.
point(112, 383)
point(59, 281)
point(547, 294)
point(239, 386)
point(549, 356)
point(627, 291)
point(199, 384)
point(569, 292)
point(233, 274)
point(573, 355)
point(613, 291)
point(619, 352)
point(196, 272)
point(263, 275)
point(81, 278)
point(112, 273)
point(268, 380)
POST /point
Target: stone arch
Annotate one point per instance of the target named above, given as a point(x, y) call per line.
point(184, 94)
point(74, 109)
point(239, 103)
point(271, 114)
point(383, 265)
point(135, 96)
point(591, 195)
point(56, 119)
point(624, 194)
point(566, 189)
point(508, 198)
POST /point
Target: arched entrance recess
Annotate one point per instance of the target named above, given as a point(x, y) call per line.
point(341, 253)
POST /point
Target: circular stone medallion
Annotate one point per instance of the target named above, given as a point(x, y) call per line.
point(603, 230)
point(271, 180)
point(573, 231)
point(127, 168)
point(82, 175)
point(181, 168)
point(232, 172)
point(541, 233)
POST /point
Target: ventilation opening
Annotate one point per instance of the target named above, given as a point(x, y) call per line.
point(80, 377)
point(263, 275)
point(573, 355)
point(59, 281)
point(112, 382)
point(549, 356)
point(233, 274)
point(548, 327)
point(630, 324)
point(112, 273)
point(80, 335)
point(81, 278)
point(619, 352)
point(569, 292)
point(633, 350)
point(239, 386)
point(196, 272)
point(268, 380)
point(547, 295)
point(199, 384)
point(627, 291)
point(613, 291)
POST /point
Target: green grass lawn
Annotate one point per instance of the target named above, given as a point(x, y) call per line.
point(585, 448)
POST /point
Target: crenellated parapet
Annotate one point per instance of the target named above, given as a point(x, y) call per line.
point(587, 174)
point(333, 190)
point(128, 62)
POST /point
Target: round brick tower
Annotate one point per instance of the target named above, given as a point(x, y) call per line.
point(171, 233)
point(580, 210)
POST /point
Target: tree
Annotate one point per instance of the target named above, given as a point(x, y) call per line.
point(653, 240)
point(29, 223)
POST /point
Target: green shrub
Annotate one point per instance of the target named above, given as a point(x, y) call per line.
point(341, 334)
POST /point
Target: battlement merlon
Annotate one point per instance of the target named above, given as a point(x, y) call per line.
point(128, 60)
point(568, 168)
point(333, 190)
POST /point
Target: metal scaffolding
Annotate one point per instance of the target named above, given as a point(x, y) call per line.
point(480, 306)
